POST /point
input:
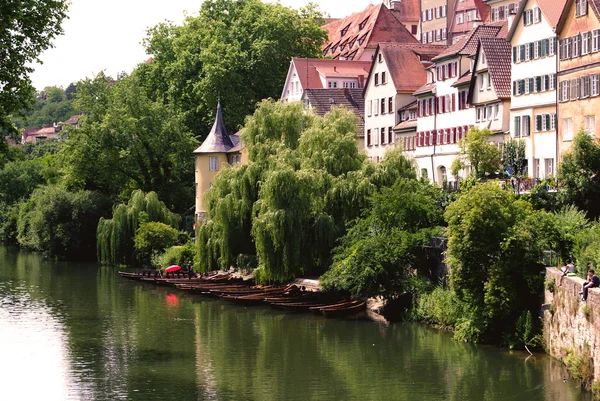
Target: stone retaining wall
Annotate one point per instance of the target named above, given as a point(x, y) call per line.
point(570, 323)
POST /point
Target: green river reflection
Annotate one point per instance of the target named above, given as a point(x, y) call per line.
point(78, 331)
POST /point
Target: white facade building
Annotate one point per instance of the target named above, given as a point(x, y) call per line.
point(533, 77)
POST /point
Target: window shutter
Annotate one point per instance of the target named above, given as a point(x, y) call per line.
point(453, 102)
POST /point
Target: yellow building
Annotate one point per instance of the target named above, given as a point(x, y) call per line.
point(578, 32)
point(218, 150)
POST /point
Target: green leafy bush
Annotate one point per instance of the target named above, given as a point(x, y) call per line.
point(176, 255)
point(153, 238)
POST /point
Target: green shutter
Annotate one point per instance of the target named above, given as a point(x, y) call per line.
point(514, 55)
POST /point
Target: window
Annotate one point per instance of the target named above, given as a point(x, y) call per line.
point(563, 96)
point(363, 23)
point(489, 81)
point(574, 95)
point(551, 46)
point(213, 163)
point(383, 78)
point(481, 82)
point(438, 12)
point(349, 84)
point(390, 135)
point(594, 85)
point(528, 17)
point(549, 167)
point(459, 19)
point(444, 32)
point(438, 35)
point(552, 82)
point(345, 30)
point(479, 114)
point(496, 111)
point(382, 105)
point(589, 125)
point(567, 129)
point(536, 168)
point(376, 78)
point(576, 45)
point(585, 86)
point(382, 139)
point(552, 122)
point(376, 107)
point(390, 105)
point(368, 137)
point(444, 8)
point(489, 113)
point(595, 40)
point(536, 50)
point(586, 42)
point(526, 125)
point(375, 136)
point(537, 15)
point(527, 53)
point(538, 123)
point(517, 129)
point(380, 58)
point(580, 8)
point(369, 108)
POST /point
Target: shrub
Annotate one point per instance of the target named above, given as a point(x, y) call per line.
point(153, 237)
point(580, 366)
point(176, 255)
point(440, 307)
point(551, 285)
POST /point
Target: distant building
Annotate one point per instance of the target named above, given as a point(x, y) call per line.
point(321, 101)
point(444, 114)
point(356, 37)
point(408, 12)
point(534, 83)
point(36, 136)
point(578, 71)
point(467, 14)
point(436, 16)
point(218, 149)
point(503, 10)
point(490, 88)
point(397, 71)
point(311, 73)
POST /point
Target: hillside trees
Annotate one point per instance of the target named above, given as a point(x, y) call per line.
point(238, 50)
point(27, 28)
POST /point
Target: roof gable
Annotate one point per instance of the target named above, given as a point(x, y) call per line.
point(323, 99)
point(467, 46)
point(498, 56)
point(551, 10)
point(594, 5)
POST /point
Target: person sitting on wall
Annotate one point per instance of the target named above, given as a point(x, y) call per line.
point(592, 281)
point(568, 270)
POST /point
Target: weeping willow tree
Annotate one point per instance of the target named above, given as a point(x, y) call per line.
point(287, 207)
point(115, 236)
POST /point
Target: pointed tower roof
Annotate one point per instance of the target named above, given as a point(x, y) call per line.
point(218, 141)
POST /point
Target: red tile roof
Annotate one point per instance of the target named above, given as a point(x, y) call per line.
point(309, 70)
point(465, 79)
point(467, 46)
point(498, 55)
point(425, 89)
point(407, 10)
point(405, 67)
point(349, 37)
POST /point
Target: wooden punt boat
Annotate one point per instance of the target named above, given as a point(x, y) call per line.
point(348, 309)
point(297, 306)
point(266, 291)
point(253, 299)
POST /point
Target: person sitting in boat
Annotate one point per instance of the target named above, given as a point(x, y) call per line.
point(592, 281)
point(190, 269)
point(568, 270)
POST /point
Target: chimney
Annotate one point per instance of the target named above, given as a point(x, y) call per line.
point(395, 5)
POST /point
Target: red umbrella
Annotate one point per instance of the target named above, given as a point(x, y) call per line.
point(173, 268)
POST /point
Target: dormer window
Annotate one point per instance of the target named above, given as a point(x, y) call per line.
point(345, 30)
point(362, 39)
point(362, 24)
point(326, 50)
point(351, 44)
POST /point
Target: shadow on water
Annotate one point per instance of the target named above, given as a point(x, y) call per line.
point(117, 339)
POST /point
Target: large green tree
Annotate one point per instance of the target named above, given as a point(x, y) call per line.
point(128, 142)
point(239, 50)
point(27, 27)
point(476, 149)
point(495, 244)
point(579, 175)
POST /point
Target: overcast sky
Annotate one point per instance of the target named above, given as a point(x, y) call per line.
point(106, 34)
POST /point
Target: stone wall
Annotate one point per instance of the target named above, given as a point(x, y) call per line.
point(570, 323)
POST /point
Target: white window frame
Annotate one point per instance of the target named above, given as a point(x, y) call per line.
point(213, 163)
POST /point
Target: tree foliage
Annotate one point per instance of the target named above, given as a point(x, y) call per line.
point(239, 50)
point(134, 143)
point(27, 28)
point(476, 150)
point(153, 238)
point(51, 105)
point(514, 160)
point(60, 223)
point(579, 175)
point(380, 250)
point(495, 245)
point(115, 236)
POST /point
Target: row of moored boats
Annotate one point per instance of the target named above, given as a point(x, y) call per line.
point(238, 290)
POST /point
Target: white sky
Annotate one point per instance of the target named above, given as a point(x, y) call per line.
point(107, 34)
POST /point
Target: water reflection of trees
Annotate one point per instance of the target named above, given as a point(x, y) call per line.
point(125, 340)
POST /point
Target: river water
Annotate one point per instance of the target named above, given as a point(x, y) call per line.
point(73, 331)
